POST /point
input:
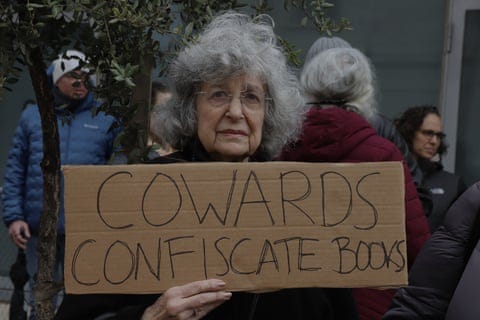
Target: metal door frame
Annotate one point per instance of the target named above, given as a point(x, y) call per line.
point(452, 72)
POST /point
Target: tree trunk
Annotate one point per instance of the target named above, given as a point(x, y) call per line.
point(45, 288)
point(139, 124)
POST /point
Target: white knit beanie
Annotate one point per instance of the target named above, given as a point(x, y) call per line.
point(69, 61)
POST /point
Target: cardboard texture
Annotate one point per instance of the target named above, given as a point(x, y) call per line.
point(257, 226)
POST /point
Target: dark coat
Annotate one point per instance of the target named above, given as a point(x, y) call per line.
point(338, 135)
point(301, 304)
point(434, 278)
point(444, 187)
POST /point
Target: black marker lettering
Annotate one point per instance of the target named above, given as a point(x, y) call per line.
point(292, 201)
point(115, 266)
point(145, 194)
point(99, 193)
point(74, 263)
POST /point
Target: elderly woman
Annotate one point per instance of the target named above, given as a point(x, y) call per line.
point(233, 99)
point(421, 127)
point(338, 85)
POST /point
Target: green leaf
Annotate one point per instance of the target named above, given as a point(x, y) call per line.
point(11, 80)
point(327, 5)
point(188, 29)
point(304, 21)
point(34, 6)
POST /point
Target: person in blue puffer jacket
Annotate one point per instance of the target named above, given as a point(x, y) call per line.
point(84, 138)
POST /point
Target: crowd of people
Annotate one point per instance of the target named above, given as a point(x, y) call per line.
point(232, 97)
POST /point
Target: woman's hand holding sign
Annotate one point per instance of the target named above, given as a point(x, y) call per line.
point(191, 301)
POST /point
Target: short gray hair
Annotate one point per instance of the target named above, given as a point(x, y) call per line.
point(325, 43)
point(343, 74)
point(231, 45)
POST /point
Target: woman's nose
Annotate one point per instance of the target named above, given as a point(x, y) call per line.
point(435, 139)
point(235, 109)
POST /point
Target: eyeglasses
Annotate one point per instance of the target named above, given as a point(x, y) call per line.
point(430, 134)
point(250, 99)
point(78, 79)
point(78, 83)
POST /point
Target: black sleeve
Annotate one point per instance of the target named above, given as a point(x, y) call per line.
point(417, 303)
point(91, 306)
point(441, 262)
point(342, 302)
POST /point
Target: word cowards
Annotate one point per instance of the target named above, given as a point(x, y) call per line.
point(253, 197)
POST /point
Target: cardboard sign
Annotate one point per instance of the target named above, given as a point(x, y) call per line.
point(257, 226)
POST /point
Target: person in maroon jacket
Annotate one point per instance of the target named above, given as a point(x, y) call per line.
point(339, 86)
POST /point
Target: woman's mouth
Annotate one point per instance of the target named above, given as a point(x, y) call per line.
point(233, 132)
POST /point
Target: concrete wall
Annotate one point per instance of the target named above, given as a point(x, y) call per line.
point(403, 39)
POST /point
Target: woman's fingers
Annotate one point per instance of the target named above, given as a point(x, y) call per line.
point(200, 312)
point(191, 301)
point(196, 295)
point(196, 287)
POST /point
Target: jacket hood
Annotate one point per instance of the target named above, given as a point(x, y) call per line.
point(329, 135)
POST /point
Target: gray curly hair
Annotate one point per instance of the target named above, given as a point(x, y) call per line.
point(231, 45)
point(341, 74)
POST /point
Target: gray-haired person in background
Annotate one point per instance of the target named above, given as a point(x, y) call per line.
point(382, 125)
point(338, 85)
point(233, 99)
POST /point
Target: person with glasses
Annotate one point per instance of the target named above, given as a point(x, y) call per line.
point(338, 85)
point(421, 127)
point(234, 99)
point(84, 139)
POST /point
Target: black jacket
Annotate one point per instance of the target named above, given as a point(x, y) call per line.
point(438, 268)
point(288, 304)
point(444, 187)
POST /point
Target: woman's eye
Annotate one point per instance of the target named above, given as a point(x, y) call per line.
point(218, 95)
point(251, 97)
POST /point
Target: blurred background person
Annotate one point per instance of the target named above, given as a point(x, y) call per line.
point(160, 95)
point(422, 129)
point(338, 85)
point(84, 139)
point(382, 125)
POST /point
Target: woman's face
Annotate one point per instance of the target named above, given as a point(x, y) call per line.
point(428, 137)
point(230, 117)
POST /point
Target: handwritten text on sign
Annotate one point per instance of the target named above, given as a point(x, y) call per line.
point(145, 228)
